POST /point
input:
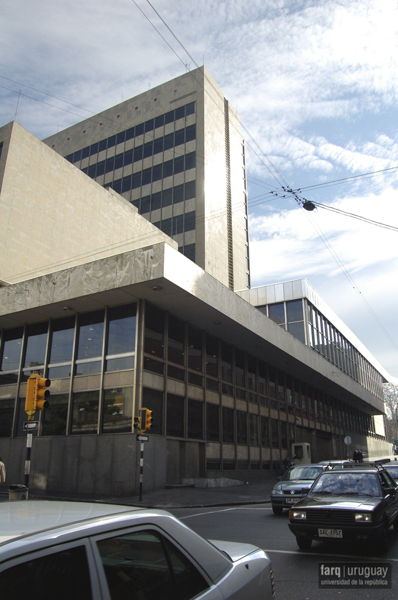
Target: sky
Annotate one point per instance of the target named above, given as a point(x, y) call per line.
point(315, 83)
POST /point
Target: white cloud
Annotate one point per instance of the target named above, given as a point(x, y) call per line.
point(315, 83)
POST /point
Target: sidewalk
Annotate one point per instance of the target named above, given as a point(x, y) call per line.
point(173, 497)
point(181, 496)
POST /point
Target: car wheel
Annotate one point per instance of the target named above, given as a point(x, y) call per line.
point(304, 543)
point(382, 544)
point(277, 510)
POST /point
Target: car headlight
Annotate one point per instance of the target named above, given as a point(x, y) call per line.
point(277, 492)
point(298, 514)
point(363, 518)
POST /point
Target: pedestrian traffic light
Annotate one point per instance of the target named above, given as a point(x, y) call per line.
point(36, 394)
point(137, 422)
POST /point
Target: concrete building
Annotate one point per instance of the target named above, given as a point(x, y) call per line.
point(98, 299)
point(177, 154)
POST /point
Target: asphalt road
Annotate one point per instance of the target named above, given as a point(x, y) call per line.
point(295, 571)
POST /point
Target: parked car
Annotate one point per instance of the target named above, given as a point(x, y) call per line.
point(77, 550)
point(392, 469)
point(337, 464)
point(293, 486)
point(357, 505)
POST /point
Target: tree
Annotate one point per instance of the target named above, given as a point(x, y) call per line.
point(391, 399)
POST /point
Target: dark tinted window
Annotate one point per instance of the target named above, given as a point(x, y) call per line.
point(61, 575)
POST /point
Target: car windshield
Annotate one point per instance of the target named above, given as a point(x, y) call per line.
point(356, 484)
point(310, 473)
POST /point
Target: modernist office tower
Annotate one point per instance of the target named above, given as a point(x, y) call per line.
point(176, 153)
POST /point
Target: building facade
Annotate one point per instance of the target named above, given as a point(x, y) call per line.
point(229, 389)
point(97, 298)
point(177, 154)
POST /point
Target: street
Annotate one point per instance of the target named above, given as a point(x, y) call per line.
point(295, 571)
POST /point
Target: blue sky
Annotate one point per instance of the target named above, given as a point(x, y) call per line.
point(316, 87)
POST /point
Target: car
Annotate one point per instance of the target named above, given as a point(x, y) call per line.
point(83, 550)
point(357, 505)
point(337, 464)
point(392, 469)
point(293, 486)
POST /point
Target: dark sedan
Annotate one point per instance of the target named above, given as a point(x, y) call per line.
point(293, 486)
point(356, 505)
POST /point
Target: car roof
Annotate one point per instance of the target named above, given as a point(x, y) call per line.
point(334, 462)
point(351, 472)
point(33, 516)
point(32, 525)
point(306, 466)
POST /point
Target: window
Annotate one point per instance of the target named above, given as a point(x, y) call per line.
point(228, 427)
point(241, 427)
point(121, 337)
point(12, 349)
point(195, 349)
point(153, 399)
point(195, 419)
point(63, 331)
point(91, 335)
point(146, 564)
point(175, 415)
point(118, 410)
point(62, 575)
point(85, 412)
point(36, 345)
point(276, 313)
point(154, 328)
point(54, 417)
point(212, 422)
point(6, 416)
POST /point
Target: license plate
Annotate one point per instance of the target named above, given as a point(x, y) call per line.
point(330, 533)
point(291, 500)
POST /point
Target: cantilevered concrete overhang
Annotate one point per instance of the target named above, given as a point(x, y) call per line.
point(164, 277)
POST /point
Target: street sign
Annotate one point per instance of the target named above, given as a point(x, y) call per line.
point(30, 425)
point(347, 440)
point(143, 438)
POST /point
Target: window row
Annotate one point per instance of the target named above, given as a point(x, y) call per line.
point(325, 339)
point(140, 152)
point(167, 197)
point(155, 173)
point(330, 343)
point(82, 344)
point(189, 355)
point(132, 132)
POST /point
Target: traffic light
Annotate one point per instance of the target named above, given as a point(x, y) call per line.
point(146, 419)
point(137, 422)
point(30, 398)
point(36, 394)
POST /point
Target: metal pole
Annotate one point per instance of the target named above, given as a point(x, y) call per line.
point(141, 468)
point(29, 438)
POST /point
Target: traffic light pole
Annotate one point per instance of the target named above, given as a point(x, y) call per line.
point(141, 468)
point(29, 438)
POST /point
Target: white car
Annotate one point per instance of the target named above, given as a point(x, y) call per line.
point(91, 551)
